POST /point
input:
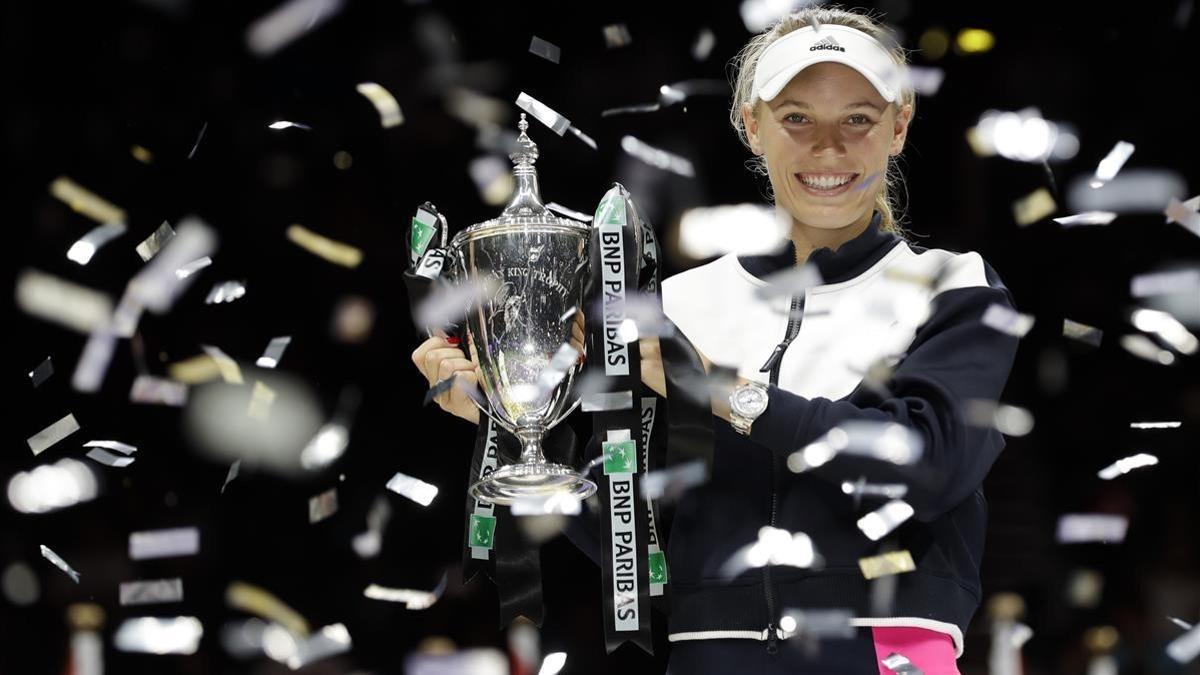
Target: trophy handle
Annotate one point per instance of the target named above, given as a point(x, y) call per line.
point(566, 412)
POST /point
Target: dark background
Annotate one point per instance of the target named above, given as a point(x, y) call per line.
point(84, 82)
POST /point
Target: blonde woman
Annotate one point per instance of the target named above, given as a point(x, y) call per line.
point(893, 334)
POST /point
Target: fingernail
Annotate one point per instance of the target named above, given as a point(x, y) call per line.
point(452, 340)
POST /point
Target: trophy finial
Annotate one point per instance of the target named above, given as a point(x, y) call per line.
point(526, 152)
point(526, 200)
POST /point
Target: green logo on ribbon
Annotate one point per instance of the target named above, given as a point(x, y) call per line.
point(620, 457)
point(611, 210)
point(658, 567)
point(421, 234)
point(482, 529)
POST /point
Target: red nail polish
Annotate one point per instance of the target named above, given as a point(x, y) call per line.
point(452, 340)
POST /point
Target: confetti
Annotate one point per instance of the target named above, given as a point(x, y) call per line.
point(1167, 328)
point(1126, 464)
point(59, 563)
point(226, 366)
point(1022, 136)
point(141, 154)
point(669, 484)
point(617, 35)
point(274, 352)
point(1007, 419)
point(1155, 425)
point(925, 80)
point(123, 448)
point(159, 635)
point(553, 663)
point(545, 49)
point(1087, 218)
point(1111, 164)
point(331, 640)
point(1181, 213)
point(261, 399)
point(326, 446)
point(493, 178)
point(288, 22)
point(1186, 647)
point(322, 247)
point(193, 267)
point(199, 137)
point(894, 562)
point(1180, 622)
point(280, 125)
point(1132, 191)
point(1145, 348)
point(569, 213)
point(582, 136)
point(1007, 321)
point(1165, 283)
point(657, 158)
point(1034, 207)
point(151, 592)
point(51, 487)
point(109, 459)
point(476, 661)
point(446, 304)
point(42, 373)
point(1075, 528)
point(368, 544)
point(322, 506)
point(389, 110)
point(702, 46)
point(85, 202)
point(46, 438)
point(254, 600)
point(413, 599)
point(225, 291)
point(477, 110)
point(82, 250)
point(413, 488)
point(1084, 588)
point(745, 229)
point(157, 286)
point(900, 665)
point(151, 245)
point(168, 543)
point(877, 524)
point(540, 505)
point(789, 282)
point(543, 113)
point(864, 489)
point(151, 389)
point(818, 623)
point(62, 302)
point(1082, 332)
point(233, 473)
point(774, 547)
point(885, 441)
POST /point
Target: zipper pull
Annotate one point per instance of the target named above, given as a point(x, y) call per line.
point(772, 640)
point(775, 357)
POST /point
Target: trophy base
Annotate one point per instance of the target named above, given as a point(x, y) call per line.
point(525, 481)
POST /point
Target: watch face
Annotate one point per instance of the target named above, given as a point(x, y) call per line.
point(749, 401)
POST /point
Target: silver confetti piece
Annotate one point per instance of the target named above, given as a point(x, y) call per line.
point(274, 352)
point(413, 488)
point(1180, 622)
point(326, 446)
point(62, 302)
point(658, 158)
point(59, 563)
point(123, 448)
point(233, 472)
point(151, 592)
point(670, 484)
point(925, 80)
point(543, 113)
point(1112, 163)
point(790, 282)
point(447, 304)
point(159, 635)
point(225, 291)
point(617, 35)
point(877, 524)
point(591, 142)
point(864, 489)
point(702, 47)
point(1181, 214)
point(1186, 647)
point(322, 506)
point(541, 505)
point(297, 653)
point(109, 459)
point(820, 624)
point(167, 543)
point(1007, 321)
point(1126, 464)
point(288, 22)
point(50, 487)
point(1009, 420)
point(82, 250)
point(886, 441)
point(368, 544)
point(569, 213)
point(46, 438)
point(1086, 218)
point(1138, 190)
point(1155, 425)
point(157, 286)
point(775, 546)
point(900, 665)
point(1165, 283)
point(280, 125)
point(544, 49)
point(42, 373)
point(151, 245)
point(1145, 348)
point(150, 389)
point(193, 267)
point(606, 400)
point(1082, 332)
point(1166, 327)
point(1076, 528)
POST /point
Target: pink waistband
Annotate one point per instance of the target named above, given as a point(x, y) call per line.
point(927, 650)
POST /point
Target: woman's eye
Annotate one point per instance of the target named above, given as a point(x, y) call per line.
point(794, 118)
point(860, 119)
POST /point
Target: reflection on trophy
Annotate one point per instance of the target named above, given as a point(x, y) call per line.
point(534, 265)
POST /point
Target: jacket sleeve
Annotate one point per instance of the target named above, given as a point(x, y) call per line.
point(953, 358)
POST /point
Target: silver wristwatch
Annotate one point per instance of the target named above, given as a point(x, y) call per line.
point(746, 403)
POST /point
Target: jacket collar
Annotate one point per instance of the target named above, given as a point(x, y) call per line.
point(849, 260)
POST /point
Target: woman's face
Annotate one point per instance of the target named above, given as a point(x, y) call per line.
point(826, 139)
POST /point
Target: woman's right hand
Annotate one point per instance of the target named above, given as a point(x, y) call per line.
point(437, 358)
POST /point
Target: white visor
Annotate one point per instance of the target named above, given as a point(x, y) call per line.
point(801, 48)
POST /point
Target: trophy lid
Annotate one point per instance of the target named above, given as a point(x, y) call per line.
point(525, 207)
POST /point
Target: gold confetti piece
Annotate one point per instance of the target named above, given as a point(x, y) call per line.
point(1033, 207)
point(196, 370)
point(384, 102)
point(617, 35)
point(86, 202)
point(260, 402)
point(323, 247)
point(896, 562)
point(154, 243)
point(63, 302)
point(141, 154)
point(225, 365)
point(256, 601)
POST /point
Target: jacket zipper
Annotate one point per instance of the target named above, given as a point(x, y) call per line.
point(795, 314)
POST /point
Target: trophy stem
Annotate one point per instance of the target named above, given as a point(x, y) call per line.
point(531, 444)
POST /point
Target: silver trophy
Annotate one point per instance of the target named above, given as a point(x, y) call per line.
point(534, 266)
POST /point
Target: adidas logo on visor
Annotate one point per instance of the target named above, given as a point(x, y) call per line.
point(827, 43)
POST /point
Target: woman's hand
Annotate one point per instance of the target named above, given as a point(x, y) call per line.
point(439, 358)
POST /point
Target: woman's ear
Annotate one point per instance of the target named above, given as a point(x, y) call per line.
point(750, 122)
point(900, 129)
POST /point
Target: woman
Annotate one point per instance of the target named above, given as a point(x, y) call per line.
point(892, 333)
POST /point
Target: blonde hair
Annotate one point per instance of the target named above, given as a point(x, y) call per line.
point(746, 61)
